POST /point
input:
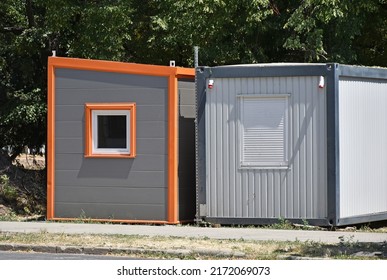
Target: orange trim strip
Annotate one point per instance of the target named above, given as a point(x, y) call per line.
point(133, 134)
point(109, 156)
point(113, 221)
point(89, 107)
point(50, 140)
point(185, 73)
point(88, 132)
point(120, 67)
point(173, 73)
point(172, 150)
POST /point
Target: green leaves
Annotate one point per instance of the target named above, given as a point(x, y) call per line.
point(226, 31)
point(22, 119)
point(154, 32)
point(90, 29)
point(325, 30)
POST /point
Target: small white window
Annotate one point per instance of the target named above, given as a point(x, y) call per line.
point(111, 131)
point(263, 131)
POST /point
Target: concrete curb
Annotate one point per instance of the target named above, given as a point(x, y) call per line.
point(225, 233)
point(110, 250)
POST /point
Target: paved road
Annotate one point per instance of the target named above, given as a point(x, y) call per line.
point(47, 256)
point(190, 231)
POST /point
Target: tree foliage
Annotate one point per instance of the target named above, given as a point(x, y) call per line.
point(23, 59)
point(325, 30)
point(155, 31)
point(89, 29)
point(226, 31)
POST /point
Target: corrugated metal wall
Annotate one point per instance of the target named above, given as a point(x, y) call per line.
point(363, 146)
point(297, 192)
point(110, 188)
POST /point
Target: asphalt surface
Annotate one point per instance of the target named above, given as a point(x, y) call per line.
point(331, 237)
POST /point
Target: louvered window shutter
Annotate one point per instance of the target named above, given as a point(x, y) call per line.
point(263, 131)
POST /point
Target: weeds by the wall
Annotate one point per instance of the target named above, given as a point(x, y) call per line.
point(7, 191)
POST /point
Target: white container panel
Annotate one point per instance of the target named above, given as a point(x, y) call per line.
point(363, 146)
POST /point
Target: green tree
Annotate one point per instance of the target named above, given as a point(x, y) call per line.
point(29, 30)
point(23, 60)
point(324, 30)
point(371, 44)
point(98, 29)
point(226, 31)
point(154, 31)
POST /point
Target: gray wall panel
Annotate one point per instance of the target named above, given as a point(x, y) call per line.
point(296, 192)
point(147, 171)
point(151, 146)
point(186, 97)
point(110, 211)
point(110, 195)
point(151, 129)
point(144, 112)
point(69, 145)
point(79, 162)
point(151, 112)
point(80, 79)
point(145, 146)
point(187, 111)
point(146, 95)
point(186, 171)
point(114, 178)
point(70, 112)
point(69, 129)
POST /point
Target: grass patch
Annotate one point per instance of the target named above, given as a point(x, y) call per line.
point(281, 224)
point(253, 250)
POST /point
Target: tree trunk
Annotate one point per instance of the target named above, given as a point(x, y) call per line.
point(30, 13)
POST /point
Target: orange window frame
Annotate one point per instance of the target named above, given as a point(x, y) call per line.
point(89, 108)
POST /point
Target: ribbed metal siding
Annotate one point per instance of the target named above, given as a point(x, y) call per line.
point(363, 146)
point(297, 192)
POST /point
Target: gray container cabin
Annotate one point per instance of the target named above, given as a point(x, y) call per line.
point(301, 142)
point(120, 142)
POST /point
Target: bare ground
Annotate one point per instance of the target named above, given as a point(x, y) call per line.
point(22, 187)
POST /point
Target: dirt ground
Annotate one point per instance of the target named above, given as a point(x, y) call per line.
point(23, 191)
point(31, 162)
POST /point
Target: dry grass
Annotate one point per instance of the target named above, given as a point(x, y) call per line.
point(251, 249)
point(124, 241)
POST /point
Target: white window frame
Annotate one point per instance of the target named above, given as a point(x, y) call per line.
point(275, 164)
point(94, 124)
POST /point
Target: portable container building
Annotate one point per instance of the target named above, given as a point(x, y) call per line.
point(301, 142)
point(120, 141)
